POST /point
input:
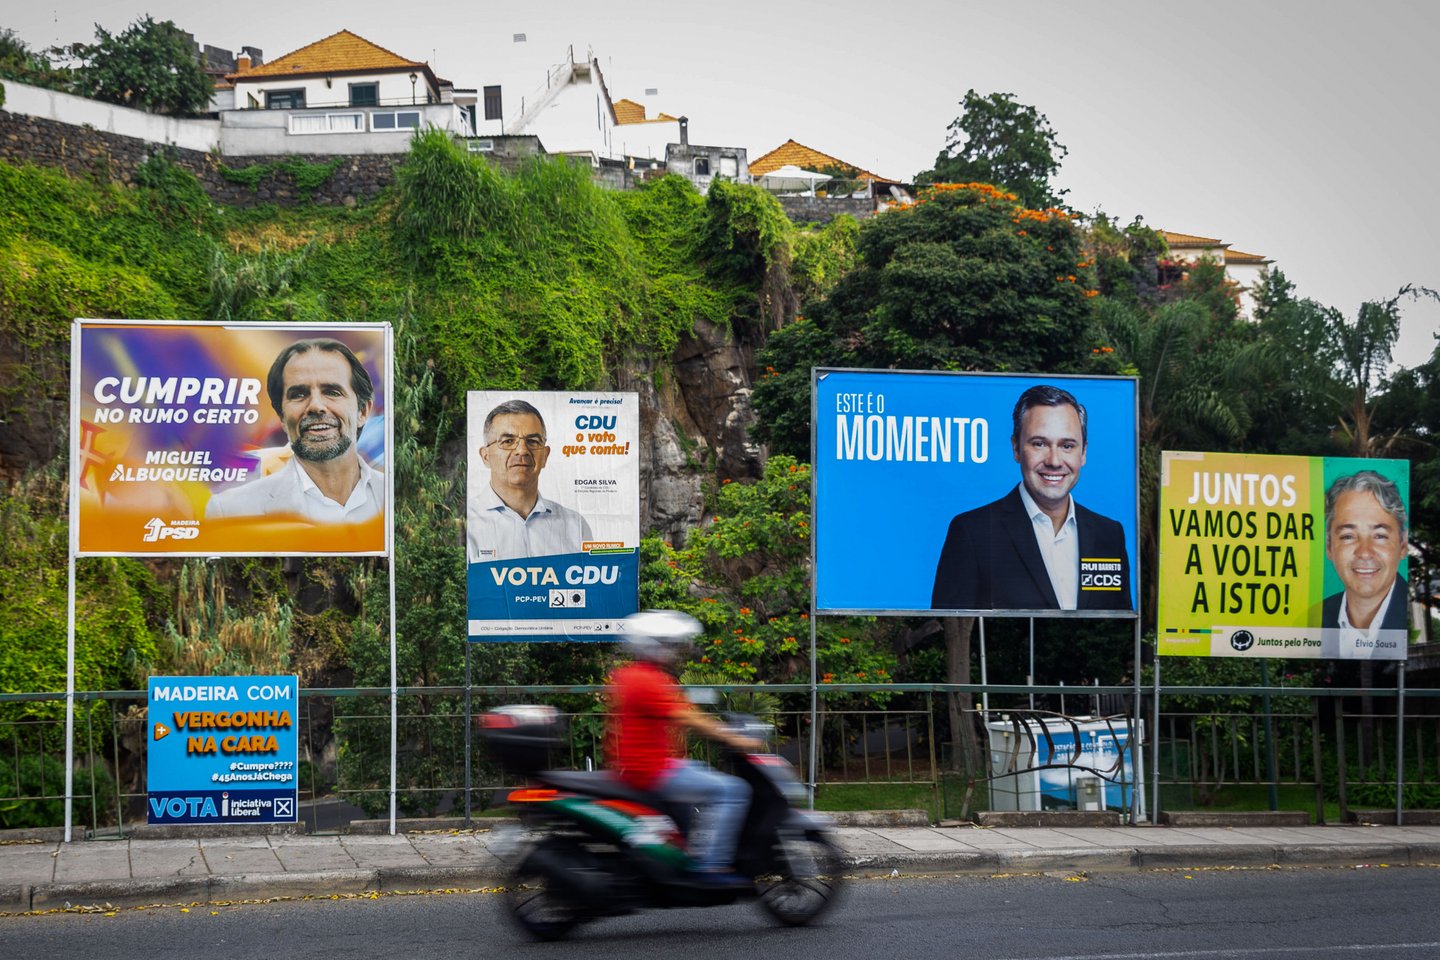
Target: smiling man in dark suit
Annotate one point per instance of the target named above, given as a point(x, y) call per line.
point(1036, 548)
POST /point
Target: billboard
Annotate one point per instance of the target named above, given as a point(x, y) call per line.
point(552, 532)
point(222, 750)
point(924, 504)
point(1276, 556)
point(208, 439)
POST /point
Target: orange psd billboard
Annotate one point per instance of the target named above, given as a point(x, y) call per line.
point(208, 439)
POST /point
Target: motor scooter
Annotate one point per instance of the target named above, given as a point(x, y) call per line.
point(593, 847)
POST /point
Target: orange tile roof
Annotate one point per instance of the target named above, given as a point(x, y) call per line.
point(628, 111)
point(342, 52)
point(1190, 240)
point(805, 157)
point(1237, 256)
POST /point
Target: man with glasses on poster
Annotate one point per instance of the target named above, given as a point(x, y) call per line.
point(508, 519)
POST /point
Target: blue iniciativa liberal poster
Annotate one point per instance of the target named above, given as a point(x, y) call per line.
point(223, 749)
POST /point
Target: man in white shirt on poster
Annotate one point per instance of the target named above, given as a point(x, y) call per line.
point(508, 519)
point(323, 395)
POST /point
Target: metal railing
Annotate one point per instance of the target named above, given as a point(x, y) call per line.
point(1321, 751)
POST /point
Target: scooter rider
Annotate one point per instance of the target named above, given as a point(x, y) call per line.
point(645, 740)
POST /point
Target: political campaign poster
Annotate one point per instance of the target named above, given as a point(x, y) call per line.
point(209, 439)
point(1283, 556)
point(927, 499)
point(552, 533)
point(222, 749)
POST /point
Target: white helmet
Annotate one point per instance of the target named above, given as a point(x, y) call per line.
point(659, 635)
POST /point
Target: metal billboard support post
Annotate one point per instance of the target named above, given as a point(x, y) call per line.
point(1154, 745)
point(468, 725)
point(1270, 771)
point(1030, 677)
point(71, 546)
point(390, 558)
point(984, 678)
point(813, 784)
point(814, 708)
point(70, 699)
point(1400, 745)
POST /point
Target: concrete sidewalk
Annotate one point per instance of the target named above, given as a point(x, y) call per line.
point(47, 873)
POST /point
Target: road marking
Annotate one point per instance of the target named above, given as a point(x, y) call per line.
point(1243, 952)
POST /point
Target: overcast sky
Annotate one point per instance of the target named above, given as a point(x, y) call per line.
point(1304, 131)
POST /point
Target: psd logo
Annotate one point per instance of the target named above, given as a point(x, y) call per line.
point(158, 529)
point(1242, 640)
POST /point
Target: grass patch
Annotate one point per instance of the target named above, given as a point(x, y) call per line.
point(874, 796)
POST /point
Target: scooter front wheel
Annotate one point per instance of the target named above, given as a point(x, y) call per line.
point(807, 881)
point(536, 897)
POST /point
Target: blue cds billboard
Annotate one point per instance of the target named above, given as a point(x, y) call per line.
point(975, 493)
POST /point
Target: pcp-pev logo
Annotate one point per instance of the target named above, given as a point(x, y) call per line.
point(157, 529)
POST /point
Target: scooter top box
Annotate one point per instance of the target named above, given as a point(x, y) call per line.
point(523, 739)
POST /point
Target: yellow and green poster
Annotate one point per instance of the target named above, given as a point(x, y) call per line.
point(1266, 556)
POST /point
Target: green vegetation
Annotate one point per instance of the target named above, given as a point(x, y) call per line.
point(537, 279)
point(306, 175)
point(149, 65)
point(999, 141)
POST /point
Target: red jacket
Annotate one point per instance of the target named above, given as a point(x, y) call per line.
point(641, 734)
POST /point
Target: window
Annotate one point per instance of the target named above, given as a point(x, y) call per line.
point(702, 166)
point(303, 123)
point(480, 146)
point(284, 99)
point(364, 94)
point(730, 167)
point(493, 105)
point(395, 120)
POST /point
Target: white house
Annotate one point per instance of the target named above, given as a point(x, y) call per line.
point(1244, 269)
point(339, 95)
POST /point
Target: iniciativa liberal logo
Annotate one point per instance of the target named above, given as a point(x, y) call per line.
point(157, 529)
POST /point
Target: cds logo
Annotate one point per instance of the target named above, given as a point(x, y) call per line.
point(1242, 640)
point(158, 529)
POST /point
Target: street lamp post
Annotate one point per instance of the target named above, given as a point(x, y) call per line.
point(413, 78)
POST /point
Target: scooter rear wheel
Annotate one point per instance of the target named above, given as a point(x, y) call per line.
point(809, 878)
point(537, 901)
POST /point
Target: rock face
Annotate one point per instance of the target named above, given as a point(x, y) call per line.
point(695, 421)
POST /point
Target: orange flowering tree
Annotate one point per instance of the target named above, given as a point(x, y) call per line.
point(745, 574)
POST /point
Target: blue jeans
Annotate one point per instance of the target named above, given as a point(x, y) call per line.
point(722, 800)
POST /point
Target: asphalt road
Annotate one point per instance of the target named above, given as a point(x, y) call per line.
point(1384, 913)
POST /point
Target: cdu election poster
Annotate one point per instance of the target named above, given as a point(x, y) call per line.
point(959, 493)
point(1283, 556)
point(210, 439)
point(552, 531)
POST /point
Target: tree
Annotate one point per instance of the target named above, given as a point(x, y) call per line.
point(966, 279)
point(19, 62)
point(151, 66)
point(999, 141)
